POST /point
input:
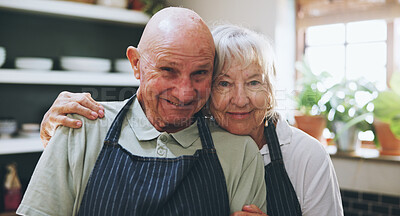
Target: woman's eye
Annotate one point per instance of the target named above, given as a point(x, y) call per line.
point(254, 83)
point(223, 83)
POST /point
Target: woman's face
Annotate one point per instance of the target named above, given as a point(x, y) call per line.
point(239, 99)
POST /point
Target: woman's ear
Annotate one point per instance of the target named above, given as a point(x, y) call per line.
point(133, 55)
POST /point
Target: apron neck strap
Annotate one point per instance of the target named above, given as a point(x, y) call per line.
point(113, 135)
point(272, 141)
point(204, 132)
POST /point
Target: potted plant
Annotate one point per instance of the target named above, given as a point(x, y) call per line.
point(311, 110)
point(387, 117)
point(350, 111)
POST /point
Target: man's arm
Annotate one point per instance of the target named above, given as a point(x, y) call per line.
point(51, 189)
point(68, 103)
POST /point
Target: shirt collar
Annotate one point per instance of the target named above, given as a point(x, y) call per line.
point(187, 136)
point(140, 125)
point(145, 131)
point(284, 133)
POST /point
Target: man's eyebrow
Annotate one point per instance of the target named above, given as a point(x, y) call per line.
point(207, 65)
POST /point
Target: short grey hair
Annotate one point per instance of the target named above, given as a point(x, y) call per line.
point(235, 43)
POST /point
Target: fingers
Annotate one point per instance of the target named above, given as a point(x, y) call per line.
point(249, 210)
point(80, 103)
point(66, 121)
point(252, 208)
point(88, 102)
point(242, 213)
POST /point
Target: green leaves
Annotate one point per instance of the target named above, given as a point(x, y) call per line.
point(311, 90)
point(387, 105)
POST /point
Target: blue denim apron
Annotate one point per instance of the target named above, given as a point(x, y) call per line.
point(281, 197)
point(125, 184)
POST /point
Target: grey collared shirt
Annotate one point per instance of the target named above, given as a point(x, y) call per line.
point(59, 180)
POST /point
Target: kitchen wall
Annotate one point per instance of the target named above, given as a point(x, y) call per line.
point(275, 19)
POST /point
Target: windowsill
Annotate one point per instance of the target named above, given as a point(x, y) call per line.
point(362, 153)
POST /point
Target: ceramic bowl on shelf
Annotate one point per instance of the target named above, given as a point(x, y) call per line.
point(33, 63)
point(8, 127)
point(123, 66)
point(87, 64)
point(2, 56)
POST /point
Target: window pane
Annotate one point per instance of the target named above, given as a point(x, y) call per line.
point(366, 31)
point(328, 58)
point(325, 35)
point(368, 61)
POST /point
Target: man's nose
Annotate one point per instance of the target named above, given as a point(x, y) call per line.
point(240, 96)
point(185, 91)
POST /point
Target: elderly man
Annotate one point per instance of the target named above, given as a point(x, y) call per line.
point(158, 156)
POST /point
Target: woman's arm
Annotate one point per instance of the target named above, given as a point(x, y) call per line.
point(68, 103)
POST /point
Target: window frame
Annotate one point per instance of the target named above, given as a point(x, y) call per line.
point(389, 11)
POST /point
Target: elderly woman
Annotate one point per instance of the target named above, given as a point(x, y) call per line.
point(300, 177)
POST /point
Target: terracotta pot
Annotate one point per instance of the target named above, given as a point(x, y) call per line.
point(312, 125)
point(390, 145)
point(135, 4)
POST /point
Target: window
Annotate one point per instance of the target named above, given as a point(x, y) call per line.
point(349, 50)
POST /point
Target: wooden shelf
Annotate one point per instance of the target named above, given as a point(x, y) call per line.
point(81, 78)
point(21, 144)
point(77, 10)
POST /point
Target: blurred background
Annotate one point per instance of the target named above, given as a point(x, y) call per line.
point(338, 65)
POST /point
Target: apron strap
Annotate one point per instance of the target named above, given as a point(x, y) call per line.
point(273, 142)
point(204, 132)
point(281, 196)
point(112, 136)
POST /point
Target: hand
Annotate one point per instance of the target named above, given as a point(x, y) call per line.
point(66, 103)
point(249, 210)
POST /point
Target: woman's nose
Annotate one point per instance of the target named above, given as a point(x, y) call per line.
point(240, 96)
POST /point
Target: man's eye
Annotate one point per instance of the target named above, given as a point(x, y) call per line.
point(223, 83)
point(201, 72)
point(168, 69)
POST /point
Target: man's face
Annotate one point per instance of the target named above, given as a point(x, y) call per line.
point(175, 81)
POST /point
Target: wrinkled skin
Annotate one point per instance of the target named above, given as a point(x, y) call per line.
point(174, 62)
point(239, 101)
point(67, 102)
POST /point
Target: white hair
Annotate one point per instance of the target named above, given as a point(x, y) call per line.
point(235, 43)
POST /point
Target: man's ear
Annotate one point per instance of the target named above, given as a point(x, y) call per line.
point(133, 55)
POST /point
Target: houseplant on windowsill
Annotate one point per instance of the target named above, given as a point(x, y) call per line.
point(387, 117)
point(311, 110)
point(350, 111)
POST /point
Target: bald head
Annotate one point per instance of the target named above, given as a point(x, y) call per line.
point(175, 24)
point(174, 62)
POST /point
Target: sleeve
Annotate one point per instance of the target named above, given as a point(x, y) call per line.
point(321, 192)
point(50, 190)
point(251, 187)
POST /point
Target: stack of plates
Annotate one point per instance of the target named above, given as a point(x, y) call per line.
point(123, 65)
point(8, 127)
point(2, 56)
point(31, 63)
point(87, 64)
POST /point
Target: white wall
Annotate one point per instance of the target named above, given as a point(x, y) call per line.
point(274, 18)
